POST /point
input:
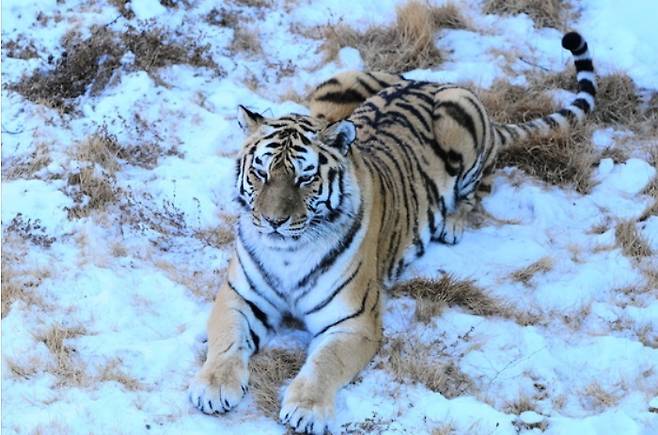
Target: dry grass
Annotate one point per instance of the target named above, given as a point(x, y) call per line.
point(432, 296)
point(652, 188)
point(522, 404)
point(245, 40)
point(20, 49)
point(67, 369)
point(16, 281)
point(406, 45)
point(112, 372)
point(565, 158)
point(124, 8)
point(408, 360)
point(443, 429)
point(269, 370)
point(507, 103)
point(28, 166)
point(617, 101)
point(88, 65)
point(525, 274)
point(545, 13)
point(92, 190)
point(630, 240)
point(562, 158)
point(597, 398)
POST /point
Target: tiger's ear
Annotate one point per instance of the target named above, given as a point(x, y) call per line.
point(339, 135)
point(248, 120)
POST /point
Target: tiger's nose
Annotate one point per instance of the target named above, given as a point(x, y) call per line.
point(276, 222)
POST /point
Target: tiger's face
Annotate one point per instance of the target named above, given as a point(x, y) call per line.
point(291, 174)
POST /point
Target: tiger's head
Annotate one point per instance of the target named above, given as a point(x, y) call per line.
point(293, 174)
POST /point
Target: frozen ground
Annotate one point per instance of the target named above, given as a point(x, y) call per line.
point(102, 335)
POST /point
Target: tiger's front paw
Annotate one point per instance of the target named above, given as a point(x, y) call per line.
point(219, 386)
point(307, 408)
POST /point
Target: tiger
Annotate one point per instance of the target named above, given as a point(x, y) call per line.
point(333, 206)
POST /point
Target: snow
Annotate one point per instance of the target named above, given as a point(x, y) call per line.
point(140, 285)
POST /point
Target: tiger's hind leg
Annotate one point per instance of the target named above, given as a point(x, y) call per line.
point(455, 222)
point(461, 129)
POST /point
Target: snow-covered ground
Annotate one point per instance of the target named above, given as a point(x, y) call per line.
point(130, 285)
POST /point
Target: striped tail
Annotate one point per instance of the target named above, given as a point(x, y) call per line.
point(565, 118)
point(337, 98)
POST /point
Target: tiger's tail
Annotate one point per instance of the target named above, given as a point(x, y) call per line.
point(336, 98)
point(567, 117)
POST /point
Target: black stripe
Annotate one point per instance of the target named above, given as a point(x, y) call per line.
point(327, 300)
point(381, 83)
point(255, 339)
point(368, 88)
point(351, 316)
point(582, 104)
point(584, 65)
point(258, 313)
point(348, 96)
point(331, 256)
point(456, 112)
point(270, 280)
point(586, 85)
point(581, 50)
point(331, 81)
point(552, 123)
point(567, 114)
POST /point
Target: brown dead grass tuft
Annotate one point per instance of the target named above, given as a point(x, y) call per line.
point(84, 65)
point(88, 65)
point(28, 166)
point(617, 101)
point(406, 45)
point(443, 429)
point(408, 360)
point(525, 274)
point(245, 40)
point(269, 370)
point(652, 188)
point(432, 296)
point(92, 189)
point(630, 240)
point(562, 158)
point(124, 8)
point(507, 103)
point(66, 368)
point(597, 398)
point(112, 372)
point(545, 13)
point(17, 282)
point(21, 48)
point(522, 404)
